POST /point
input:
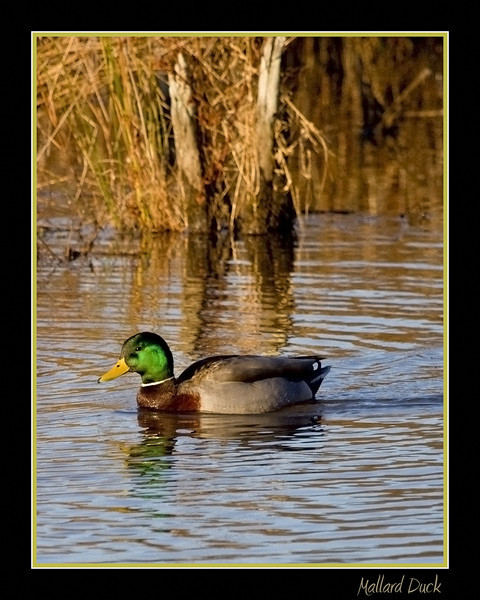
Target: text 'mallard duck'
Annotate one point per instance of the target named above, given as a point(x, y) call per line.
point(229, 384)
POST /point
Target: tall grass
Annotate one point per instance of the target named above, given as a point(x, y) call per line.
point(104, 114)
point(100, 104)
point(105, 127)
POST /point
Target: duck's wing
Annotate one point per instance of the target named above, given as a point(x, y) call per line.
point(250, 368)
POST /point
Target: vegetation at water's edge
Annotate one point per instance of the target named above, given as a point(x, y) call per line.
point(105, 123)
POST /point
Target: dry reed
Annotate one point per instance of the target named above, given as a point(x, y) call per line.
point(103, 119)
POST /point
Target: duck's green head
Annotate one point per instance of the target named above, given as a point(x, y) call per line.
point(145, 353)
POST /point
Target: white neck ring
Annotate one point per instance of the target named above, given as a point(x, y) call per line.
point(156, 382)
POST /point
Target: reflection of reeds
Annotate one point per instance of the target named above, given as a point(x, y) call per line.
point(104, 110)
point(251, 281)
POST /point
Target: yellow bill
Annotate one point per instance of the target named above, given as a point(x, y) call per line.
point(119, 369)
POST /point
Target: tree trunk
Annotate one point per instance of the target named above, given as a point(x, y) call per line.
point(267, 209)
point(186, 147)
point(268, 83)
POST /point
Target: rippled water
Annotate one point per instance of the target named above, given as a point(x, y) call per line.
point(356, 477)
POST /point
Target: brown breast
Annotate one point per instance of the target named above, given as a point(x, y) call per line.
point(166, 397)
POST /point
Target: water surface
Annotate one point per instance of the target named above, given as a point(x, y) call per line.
point(356, 477)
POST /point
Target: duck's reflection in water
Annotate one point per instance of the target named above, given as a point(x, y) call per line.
point(162, 433)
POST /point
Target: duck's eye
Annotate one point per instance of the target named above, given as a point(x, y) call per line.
point(138, 348)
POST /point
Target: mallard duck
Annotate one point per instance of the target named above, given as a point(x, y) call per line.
point(229, 384)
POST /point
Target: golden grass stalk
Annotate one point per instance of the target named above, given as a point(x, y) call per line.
point(104, 122)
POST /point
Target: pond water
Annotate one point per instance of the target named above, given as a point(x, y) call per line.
point(356, 477)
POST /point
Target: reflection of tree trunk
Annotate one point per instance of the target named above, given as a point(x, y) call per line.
point(207, 263)
point(272, 259)
point(266, 304)
point(186, 147)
